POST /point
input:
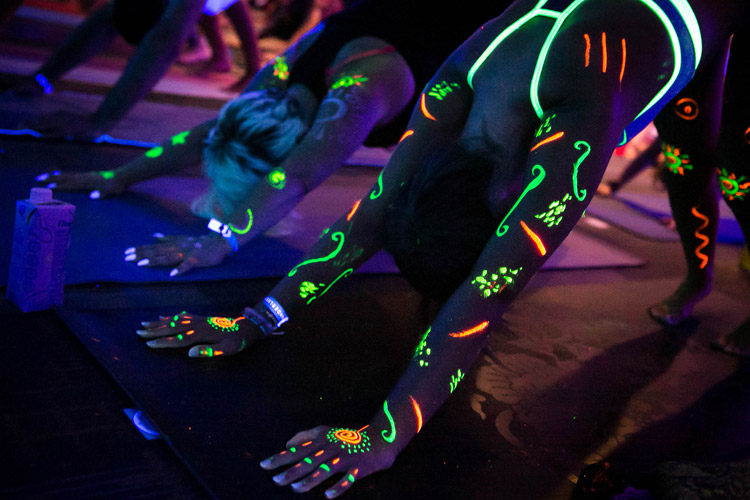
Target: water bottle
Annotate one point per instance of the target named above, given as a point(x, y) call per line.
point(40, 244)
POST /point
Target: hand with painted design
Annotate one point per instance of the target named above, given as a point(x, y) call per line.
point(184, 252)
point(323, 452)
point(98, 184)
point(209, 336)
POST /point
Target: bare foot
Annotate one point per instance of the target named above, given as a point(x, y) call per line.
point(737, 342)
point(676, 308)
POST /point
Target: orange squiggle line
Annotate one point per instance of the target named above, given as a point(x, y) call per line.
point(604, 52)
point(705, 239)
point(588, 48)
point(417, 412)
point(471, 331)
point(548, 139)
point(624, 58)
point(423, 105)
point(744, 186)
point(537, 240)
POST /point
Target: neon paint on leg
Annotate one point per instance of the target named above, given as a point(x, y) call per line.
point(493, 283)
point(581, 195)
point(705, 240)
point(417, 413)
point(379, 189)
point(676, 162)
point(423, 108)
point(471, 331)
point(341, 276)
point(281, 68)
point(535, 238)
point(731, 187)
point(549, 139)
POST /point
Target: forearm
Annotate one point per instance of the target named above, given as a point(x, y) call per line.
point(180, 151)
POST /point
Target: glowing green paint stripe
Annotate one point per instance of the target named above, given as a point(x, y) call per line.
point(342, 275)
point(537, 10)
point(376, 193)
point(575, 168)
point(392, 437)
point(333, 254)
point(249, 224)
point(532, 185)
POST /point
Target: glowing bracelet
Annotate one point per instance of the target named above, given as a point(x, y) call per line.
point(224, 230)
point(44, 83)
point(275, 308)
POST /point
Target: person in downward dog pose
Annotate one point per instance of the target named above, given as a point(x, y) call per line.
point(501, 156)
point(352, 81)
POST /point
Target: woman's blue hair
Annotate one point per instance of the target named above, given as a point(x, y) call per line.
point(253, 135)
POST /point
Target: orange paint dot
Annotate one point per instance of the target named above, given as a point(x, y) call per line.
point(189, 332)
point(335, 461)
point(319, 453)
point(406, 134)
point(307, 443)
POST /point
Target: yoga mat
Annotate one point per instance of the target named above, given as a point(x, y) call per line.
point(640, 214)
point(104, 228)
point(147, 124)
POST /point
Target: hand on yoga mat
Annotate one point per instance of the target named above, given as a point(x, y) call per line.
point(65, 125)
point(213, 335)
point(186, 252)
point(99, 184)
point(325, 451)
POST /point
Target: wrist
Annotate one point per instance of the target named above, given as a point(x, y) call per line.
point(267, 315)
point(226, 234)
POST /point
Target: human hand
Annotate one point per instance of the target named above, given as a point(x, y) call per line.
point(65, 125)
point(99, 184)
point(187, 252)
point(323, 452)
point(214, 336)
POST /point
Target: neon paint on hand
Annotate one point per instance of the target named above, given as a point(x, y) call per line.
point(471, 331)
point(455, 379)
point(349, 81)
point(552, 138)
point(389, 437)
point(536, 239)
point(224, 324)
point(107, 174)
point(353, 210)
point(209, 352)
point(587, 53)
point(440, 90)
point(277, 178)
point(539, 175)
point(353, 441)
point(340, 276)
point(180, 138)
point(379, 189)
point(676, 162)
point(732, 187)
point(582, 194)
point(417, 413)
point(704, 239)
point(552, 217)
point(337, 236)
point(350, 478)
point(545, 127)
point(154, 152)
point(247, 227)
point(423, 107)
point(422, 349)
point(281, 68)
point(604, 52)
point(325, 467)
point(686, 108)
